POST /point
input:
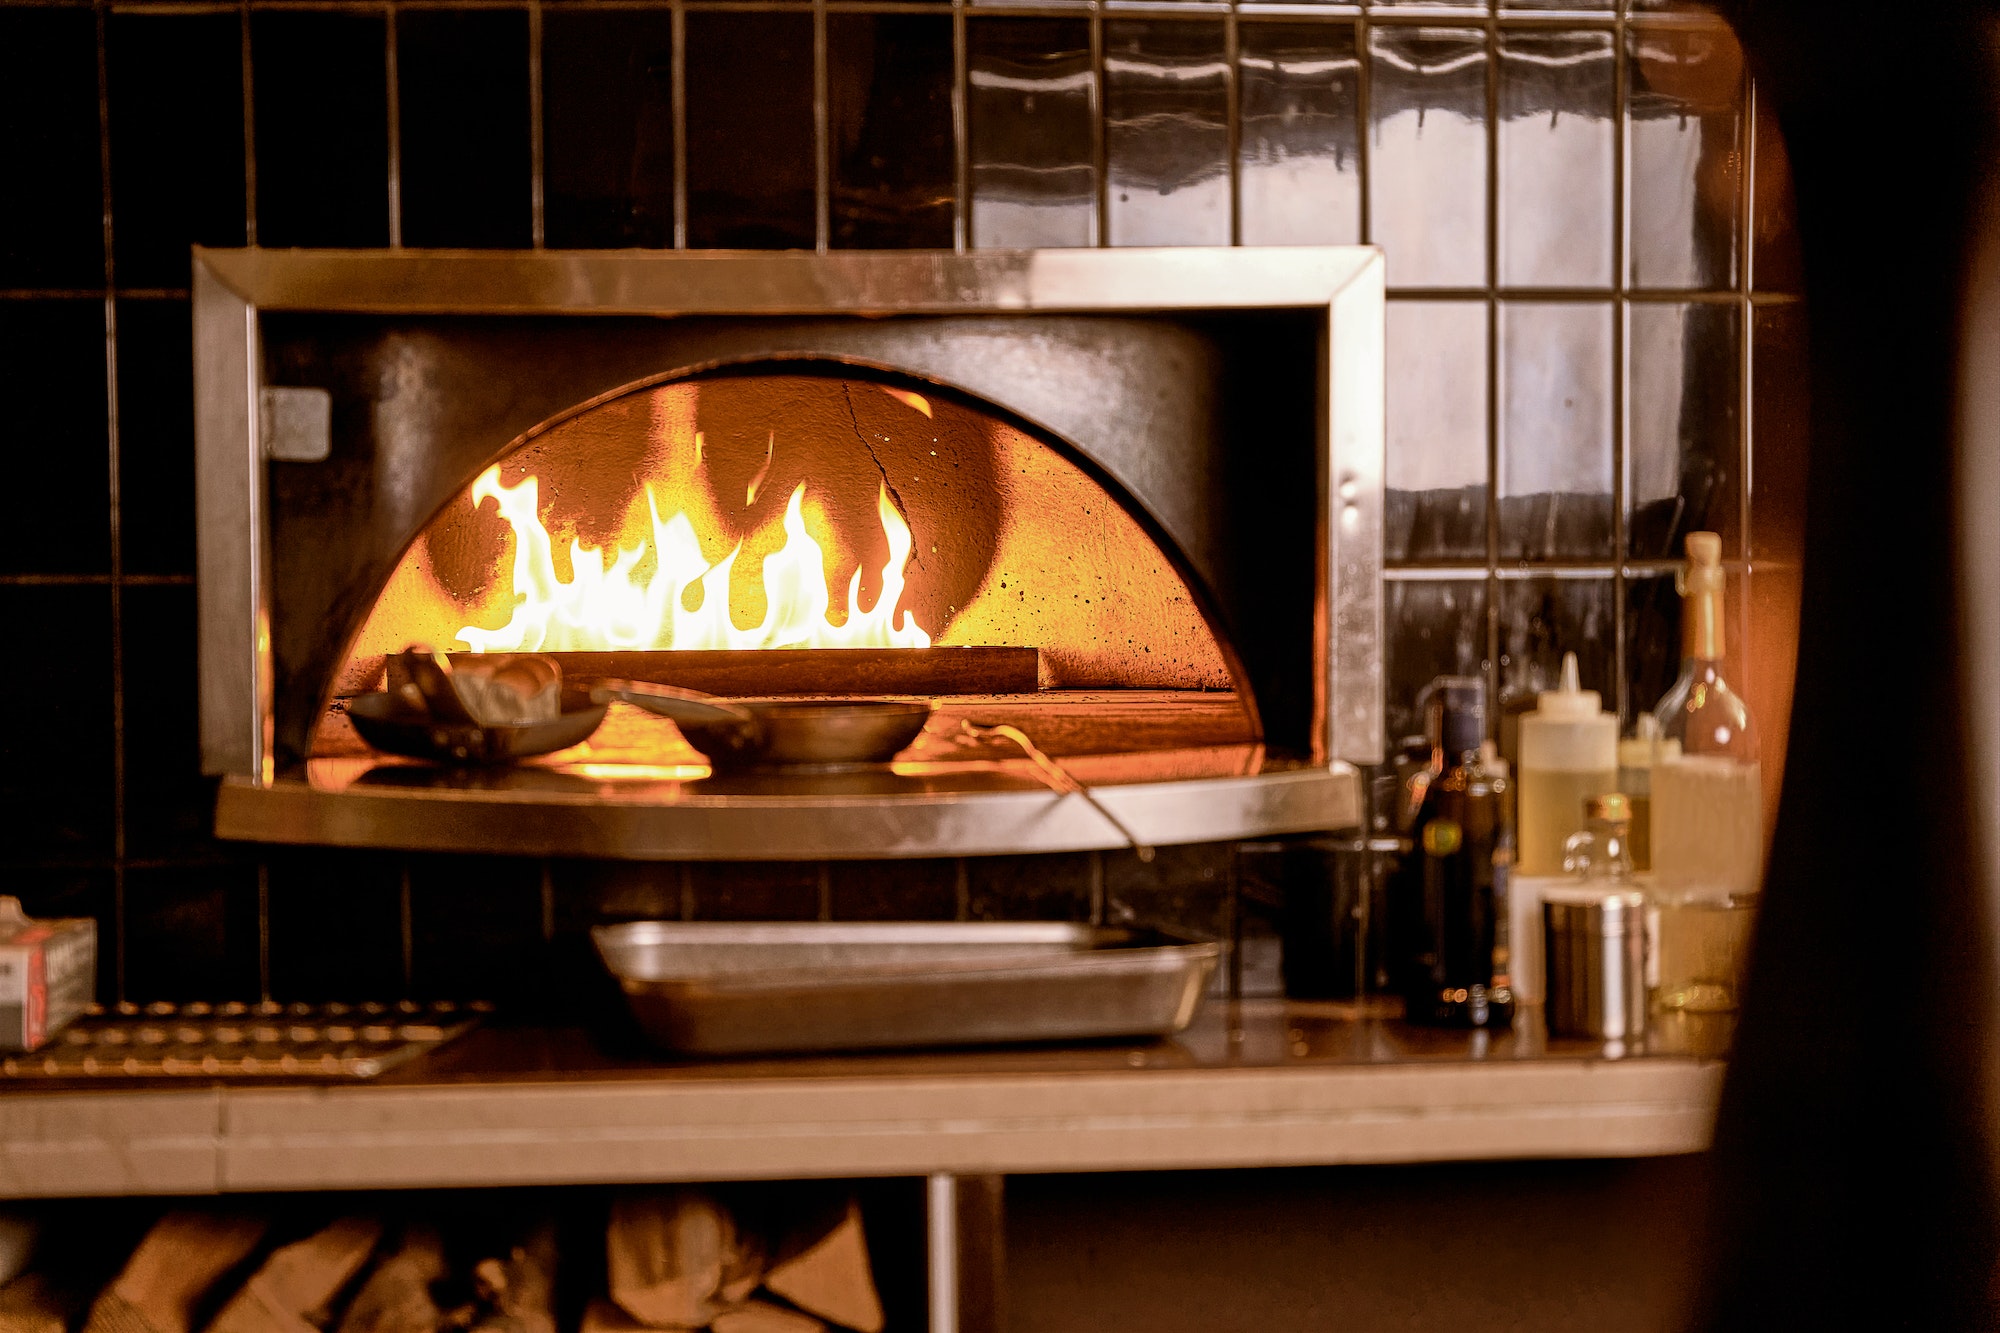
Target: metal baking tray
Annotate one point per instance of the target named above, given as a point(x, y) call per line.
point(723, 988)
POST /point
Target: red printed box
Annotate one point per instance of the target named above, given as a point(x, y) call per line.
point(48, 972)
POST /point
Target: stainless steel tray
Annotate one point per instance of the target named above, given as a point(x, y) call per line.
point(723, 988)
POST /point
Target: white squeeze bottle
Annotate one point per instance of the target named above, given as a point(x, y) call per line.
point(1569, 752)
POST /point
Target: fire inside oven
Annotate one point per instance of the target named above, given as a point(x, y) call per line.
point(812, 529)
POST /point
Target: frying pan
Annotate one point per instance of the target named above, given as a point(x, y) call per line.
point(790, 734)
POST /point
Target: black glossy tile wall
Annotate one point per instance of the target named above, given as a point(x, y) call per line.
point(1593, 334)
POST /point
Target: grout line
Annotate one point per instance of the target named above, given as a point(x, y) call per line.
point(537, 169)
point(822, 136)
point(1489, 296)
point(678, 64)
point(1364, 106)
point(1621, 374)
point(263, 930)
point(116, 527)
point(249, 134)
point(389, 58)
point(1232, 84)
point(961, 134)
point(1100, 222)
point(406, 921)
point(1746, 331)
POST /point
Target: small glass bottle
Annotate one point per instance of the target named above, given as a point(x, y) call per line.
point(1445, 888)
point(1708, 823)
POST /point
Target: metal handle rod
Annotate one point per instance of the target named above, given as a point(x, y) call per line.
point(941, 1259)
point(1056, 776)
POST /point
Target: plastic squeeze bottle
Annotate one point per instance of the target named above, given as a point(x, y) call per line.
point(1569, 753)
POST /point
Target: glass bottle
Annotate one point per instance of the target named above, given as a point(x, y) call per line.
point(1445, 888)
point(1708, 824)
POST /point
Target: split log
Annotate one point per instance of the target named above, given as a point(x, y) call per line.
point(396, 1298)
point(678, 1259)
point(519, 1289)
point(291, 1292)
point(823, 1267)
point(174, 1267)
point(764, 1317)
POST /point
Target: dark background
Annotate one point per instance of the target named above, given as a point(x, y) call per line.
point(130, 130)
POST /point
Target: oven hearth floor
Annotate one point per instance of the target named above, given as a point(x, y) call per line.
point(1258, 1083)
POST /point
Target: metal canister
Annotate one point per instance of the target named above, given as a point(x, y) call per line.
point(1594, 938)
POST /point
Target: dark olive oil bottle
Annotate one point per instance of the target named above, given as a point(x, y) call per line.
point(1449, 909)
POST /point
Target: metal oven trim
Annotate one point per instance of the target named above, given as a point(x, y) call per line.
point(233, 287)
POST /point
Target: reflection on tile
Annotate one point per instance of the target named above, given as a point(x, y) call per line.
point(168, 803)
point(757, 891)
point(1029, 111)
point(1777, 265)
point(1427, 154)
point(56, 757)
point(1684, 153)
point(176, 90)
point(889, 117)
point(1183, 890)
point(1556, 152)
point(1779, 431)
point(156, 436)
point(894, 890)
point(1555, 430)
point(48, 149)
point(1299, 168)
point(54, 355)
point(322, 110)
point(608, 127)
point(1771, 646)
point(590, 892)
point(1166, 132)
point(191, 933)
point(1031, 888)
point(1576, 615)
point(336, 923)
point(1435, 627)
point(750, 171)
point(1683, 436)
point(1436, 502)
point(462, 104)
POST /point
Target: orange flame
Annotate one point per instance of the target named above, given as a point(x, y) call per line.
point(607, 605)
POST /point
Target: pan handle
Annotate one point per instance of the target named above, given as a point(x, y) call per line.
point(672, 702)
point(1055, 775)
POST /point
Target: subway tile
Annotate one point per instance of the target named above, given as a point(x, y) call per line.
point(169, 804)
point(49, 150)
point(55, 359)
point(1556, 146)
point(1055, 887)
point(1433, 627)
point(889, 122)
point(56, 755)
point(1299, 159)
point(462, 108)
point(156, 436)
point(1777, 264)
point(608, 127)
point(750, 171)
point(60, 891)
point(1780, 432)
point(1683, 434)
point(336, 924)
point(476, 929)
point(192, 933)
point(1684, 151)
point(589, 893)
point(894, 890)
point(1166, 132)
point(1435, 506)
point(757, 891)
point(1555, 430)
point(1653, 638)
point(175, 83)
point(320, 85)
point(1183, 890)
point(1427, 154)
point(1577, 615)
point(1029, 106)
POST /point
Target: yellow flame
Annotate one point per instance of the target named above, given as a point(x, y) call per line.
point(606, 605)
point(915, 401)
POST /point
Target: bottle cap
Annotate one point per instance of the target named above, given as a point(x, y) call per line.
point(1568, 702)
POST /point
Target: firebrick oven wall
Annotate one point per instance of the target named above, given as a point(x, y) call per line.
point(1594, 343)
